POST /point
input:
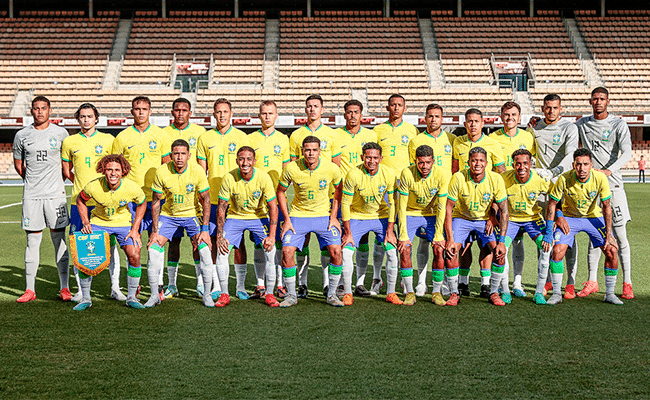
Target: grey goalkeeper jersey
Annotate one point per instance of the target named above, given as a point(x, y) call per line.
point(610, 142)
point(40, 151)
point(556, 144)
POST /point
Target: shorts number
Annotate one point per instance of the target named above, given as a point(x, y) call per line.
point(266, 230)
point(335, 232)
point(602, 231)
point(41, 155)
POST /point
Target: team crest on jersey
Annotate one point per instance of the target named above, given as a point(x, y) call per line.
point(277, 149)
point(192, 142)
point(405, 139)
point(592, 194)
point(122, 203)
point(256, 194)
point(53, 142)
point(98, 149)
point(606, 135)
point(26, 222)
point(190, 188)
point(381, 189)
point(432, 192)
point(556, 138)
point(322, 183)
point(486, 196)
point(153, 145)
point(532, 196)
point(323, 144)
point(522, 146)
point(447, 149)
point(232, 147)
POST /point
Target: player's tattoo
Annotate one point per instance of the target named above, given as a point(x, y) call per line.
point(504, 216)
point(221, 218)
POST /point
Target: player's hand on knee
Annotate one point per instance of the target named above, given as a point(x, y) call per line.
point(402, 245)
point(268, 243)
point(153, 238)
point(286, 227)
point(334, 223)
point(223, 245)
point(390, 238)
point(546, 246)
point(561, 223)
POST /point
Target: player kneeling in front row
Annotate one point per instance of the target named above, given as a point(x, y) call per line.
point(179, 182)
point(368, 205)
point(242, 192)
point(422, 193)
point(310, 212)
point(469, 201)
point(112, 195)
point(523, 187)
point(580, 188)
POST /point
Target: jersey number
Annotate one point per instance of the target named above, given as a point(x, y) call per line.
point(41, 155)
point(473, 206)
point(178, 198)
point(87, 161)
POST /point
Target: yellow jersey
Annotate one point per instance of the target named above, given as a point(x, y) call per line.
point(523, 139)
point(311, 188)
point(219, 151)
point(474, 199)
point(394, 142)
point(462, 146)
point(84, 152)
point(351, 146)
point(190, 134)
point(144, 151)
point(247, 199)
point(422, 196)
point(364, 195)
point(271, 152)
point(581, 199)
point(443, 148)
point(112, 205)
point(180, 190)
point(328, 147)
point(522, 196)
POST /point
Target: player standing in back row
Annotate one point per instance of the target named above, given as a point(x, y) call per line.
point(37, 159)
point(608, 138)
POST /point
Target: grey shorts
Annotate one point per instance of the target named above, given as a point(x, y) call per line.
point(39, 214)
point(620, 209)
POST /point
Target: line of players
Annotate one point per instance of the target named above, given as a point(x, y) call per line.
point(374, 176)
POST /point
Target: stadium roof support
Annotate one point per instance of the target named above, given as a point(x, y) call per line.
point(459, 8)
point(11, 8)
point(531, 8)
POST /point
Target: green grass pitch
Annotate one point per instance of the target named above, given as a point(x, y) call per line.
point(580, 349)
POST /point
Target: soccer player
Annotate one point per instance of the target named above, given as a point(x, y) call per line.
point(181, 128)
point(79, 157)
point(556, 140)
point(581, 188)
point(393, 136)
point(368, 205)
point(422, 193)
point(329, 151)
point(469, 201)
point(37, 159)
point(248, 195)
point(216, 152)
point(608, 138)
point(311, 177)
point(272, 155)
point(351, 139)
point(112, 195)
point(495, 161)
point(511, 138)
point(441, 142)
point(523, 187)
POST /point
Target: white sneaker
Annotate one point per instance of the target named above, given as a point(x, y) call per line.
point(556, 298)
point(153, 301)
point(421, 289)
point(78, 297)
point(375, 287)
point(612, 299)
point(334, 301)
point(118, 295)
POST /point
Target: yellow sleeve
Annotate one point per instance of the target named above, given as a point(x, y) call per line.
point(285, 178)
point(157, 185)
point(336, 146)
point(224, 190)
point(454, 187)
point(349, 186)
point(500, 193)
point(202, 181)
point(497, 155)
point(558, 190)
point(336, 174)
point(166, 141)
point(605, 192)
point(118, 146)
point(455, 146)
point(66, 154)
point(286, 154)
point(442, 208)
point(294, 146)
point(268, 190)
point(411, 152)
point(140, 197)
point(200, 149)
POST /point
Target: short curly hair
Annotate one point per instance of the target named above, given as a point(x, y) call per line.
point(117, 158)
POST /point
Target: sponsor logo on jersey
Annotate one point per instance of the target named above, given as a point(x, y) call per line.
point(98, 149)
point(447, 149)
point(153, 145)
point(189, 187)
point(606, 135)
point(53, 142)
point(322, 183)
point(276, 149)
point(232, 147)
point(556, 138)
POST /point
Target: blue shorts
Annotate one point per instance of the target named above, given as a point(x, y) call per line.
point(594, 227)
point(170, 226)
point(361, 227)
point(233, 230)
point(425, 226)
point(305, 225)
point(532, 228)
point(120, 233)
point(146, 223)
point(463, 228)
point(75, 218)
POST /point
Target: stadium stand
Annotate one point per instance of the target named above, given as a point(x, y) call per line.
point(6, 158)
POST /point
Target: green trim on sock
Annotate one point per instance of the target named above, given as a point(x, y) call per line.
point(289, 272)
point(83, 276)
point(134, 272)
point(257, 246)
point(113, 240)
point(406, 272)
point(349, 246)
point(486, 272)
point(388, 246)
point(364, 247)
point(438, 275)
point(304, 252)
point(538, 241)
point(556, 267)
point(202, 245)
point(278, 245)
point(157, 248)
point(498, 269)
point(197, 262)
point(172, 263)
point(452, 272)
point(325, 253)
point(508, 241)
point(335, 269)
point(464, 271)
point(608, 272)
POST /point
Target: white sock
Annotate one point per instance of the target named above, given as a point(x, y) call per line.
point(362, 266)
point(348, 267)
point(593, 259)
point(453, 283)
point(114, 268)
point(610, 284)
point(260, 264)
point(85, 289)
point(240, 275)
point(75, 272)
point(205, 268)
point(505, 277)
point(324, 262)
point(378, 261)
point(154, 266)
point(269, 264)
point(61, 257)
point(290, 285)
point(464, 279)
point(517, 263)
point(216, 283)
point(302, 265)
point(625, 256)
point(223, 271)
point(279, 278)
point(496, 278)
point(542, 270)
point(571, 259)
point(199, 267)
point(132, 283)
point(422, 258)
point(172, 273)
point(391, 270)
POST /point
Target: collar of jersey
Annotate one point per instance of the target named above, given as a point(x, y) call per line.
point(391, 125)
point(367, 172)
point(469, 174)
point(223, 134)
point(309, 129)
point(345, 128)
point(105, 182)
point(426, 132)
point(242, 178)
point(578, 180)
point(420, 173)
point(262, 133)
point(303, 163)
point(478, 140)
point(187, 166)
point(530, 176)
point(504, 133)
point(94, 133)
point(136, 129)
point(180, 130)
